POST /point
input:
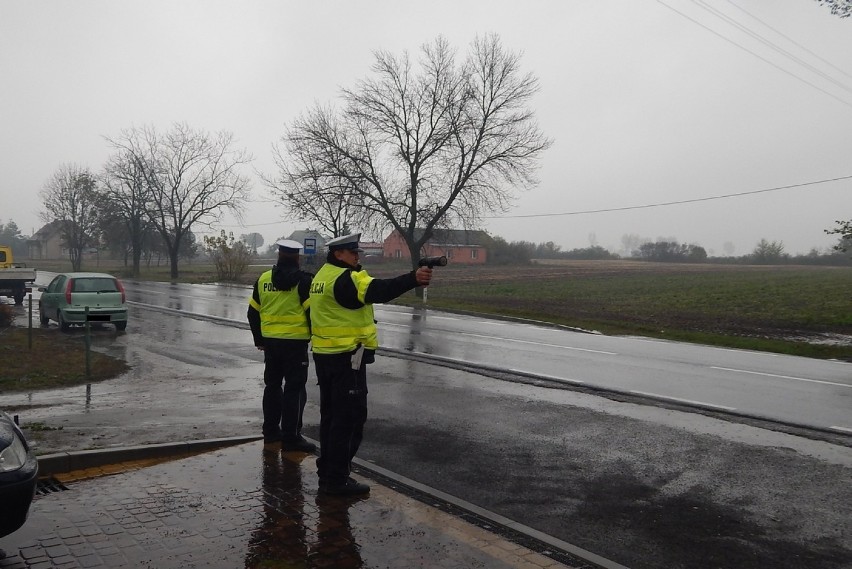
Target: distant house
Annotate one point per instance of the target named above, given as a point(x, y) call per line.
point(47, 243)
point(458, 245)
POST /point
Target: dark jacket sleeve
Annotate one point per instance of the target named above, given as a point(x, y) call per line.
point(385, 290)
point(254, 318)
point(305, 291)
point(305, 285)
point(380, 290)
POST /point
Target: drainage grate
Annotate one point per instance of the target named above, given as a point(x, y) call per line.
point(49, 485)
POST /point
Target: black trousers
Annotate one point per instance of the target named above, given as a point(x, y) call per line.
point(285, 375)
point(343, 412)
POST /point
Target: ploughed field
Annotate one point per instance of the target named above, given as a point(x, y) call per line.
point(805, 310)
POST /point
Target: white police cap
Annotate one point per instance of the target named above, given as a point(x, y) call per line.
point(289, 246)
point(349, 242)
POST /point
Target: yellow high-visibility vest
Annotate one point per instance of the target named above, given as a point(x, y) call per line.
point(335, 329)
point(282, 314)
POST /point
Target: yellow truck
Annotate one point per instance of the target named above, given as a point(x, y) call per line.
point(15, 280)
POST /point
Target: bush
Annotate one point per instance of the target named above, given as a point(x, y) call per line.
point(515, 253)
point(7, 316)
point(671, 252)
point(231, 258)
point(594, 253)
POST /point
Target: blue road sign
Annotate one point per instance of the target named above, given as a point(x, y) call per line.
point(310, 246)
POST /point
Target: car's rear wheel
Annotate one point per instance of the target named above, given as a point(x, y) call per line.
point(43, 318)
point(121, 326)
point(63, 325)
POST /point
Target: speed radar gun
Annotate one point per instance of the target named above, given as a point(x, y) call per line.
point(432, 262)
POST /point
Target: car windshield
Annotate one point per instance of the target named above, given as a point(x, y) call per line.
point(94, 284)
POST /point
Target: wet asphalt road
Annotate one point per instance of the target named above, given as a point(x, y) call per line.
point(644, 486)
point(796, 390)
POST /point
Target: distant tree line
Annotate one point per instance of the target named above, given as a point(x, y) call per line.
point(502, 252)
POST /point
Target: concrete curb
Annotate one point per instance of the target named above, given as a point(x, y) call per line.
point(58, 463)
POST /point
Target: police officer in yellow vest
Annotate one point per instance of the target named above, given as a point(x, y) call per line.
point(344, 341)
point(278, 315)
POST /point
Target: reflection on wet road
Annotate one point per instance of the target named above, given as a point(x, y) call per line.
point(297, 524)
point(245, 506)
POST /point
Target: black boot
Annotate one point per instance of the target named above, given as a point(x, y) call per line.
point(298, 444)
point(348, 488)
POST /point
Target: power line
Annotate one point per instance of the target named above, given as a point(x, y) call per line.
point(678, 202)
point(626, 208)
point(776, 66)
point(789, 39)
point(768, 43)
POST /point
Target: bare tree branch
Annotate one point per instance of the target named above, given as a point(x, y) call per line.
point(840, 8)
point(416, 147)
point(71, 198)
point(128, 199)
point(193, 178)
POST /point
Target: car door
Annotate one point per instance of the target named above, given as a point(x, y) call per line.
point(50, 297)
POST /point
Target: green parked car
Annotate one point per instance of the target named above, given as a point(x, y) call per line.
point(66, 297)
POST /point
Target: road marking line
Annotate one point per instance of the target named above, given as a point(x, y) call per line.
point(844, 429)
point(783, 376)
point(690, 401)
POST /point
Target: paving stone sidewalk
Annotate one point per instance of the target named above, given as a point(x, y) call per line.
point(245, 506)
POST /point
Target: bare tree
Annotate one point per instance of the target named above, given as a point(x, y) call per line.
point(71, 197)
point(419, 149)
point(128, 196)
point(311, 192)
point(193, 177)
point(766, 252)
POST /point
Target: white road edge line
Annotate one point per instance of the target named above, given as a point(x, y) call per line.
point(690, 401)
point(844, 429)
point(824, 382)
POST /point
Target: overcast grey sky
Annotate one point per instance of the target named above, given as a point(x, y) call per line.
point(647, 101)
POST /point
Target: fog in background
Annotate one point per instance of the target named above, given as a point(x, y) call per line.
point(648, 102)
